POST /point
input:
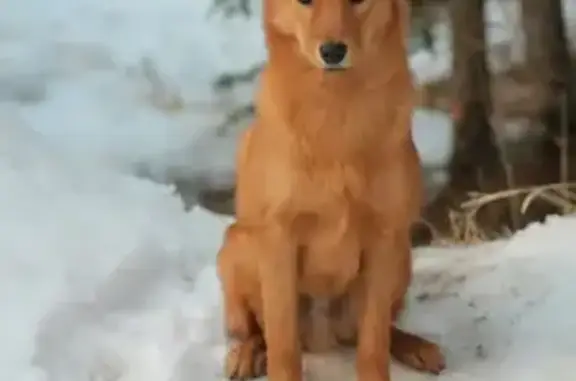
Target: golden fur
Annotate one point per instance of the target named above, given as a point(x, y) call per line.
point(328, 186)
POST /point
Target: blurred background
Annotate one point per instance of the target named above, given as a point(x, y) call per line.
point(163, 89)
point(495, 113)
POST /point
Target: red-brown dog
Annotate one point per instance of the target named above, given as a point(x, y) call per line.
point(328, 186)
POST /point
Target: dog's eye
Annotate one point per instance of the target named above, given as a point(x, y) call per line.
point(356, 2)
point(305, 2)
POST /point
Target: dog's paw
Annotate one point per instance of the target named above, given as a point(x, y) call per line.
point(418, 353)
point(246, 359)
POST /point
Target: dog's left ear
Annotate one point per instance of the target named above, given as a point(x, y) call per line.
point(401, 10)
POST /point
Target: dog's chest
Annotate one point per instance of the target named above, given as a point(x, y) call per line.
point(329, 258)
point(328, 188)
point(328, 229)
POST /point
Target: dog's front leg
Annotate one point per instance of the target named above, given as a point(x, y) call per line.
point(278, 274)
point(382, 262)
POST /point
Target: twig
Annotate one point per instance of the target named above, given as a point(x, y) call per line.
point(478, 199)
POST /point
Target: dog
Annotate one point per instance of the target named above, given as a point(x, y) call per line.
point(328, 185)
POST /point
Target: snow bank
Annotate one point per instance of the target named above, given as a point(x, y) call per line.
point(81, 242)
point(105, 278)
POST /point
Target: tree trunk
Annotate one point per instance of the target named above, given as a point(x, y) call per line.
point(476, 164)
point(551, 70)
point(548, 62)
point(475, 147)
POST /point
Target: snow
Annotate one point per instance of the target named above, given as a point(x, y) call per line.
point(103, 274)
point(105, 277)
point(433, 135)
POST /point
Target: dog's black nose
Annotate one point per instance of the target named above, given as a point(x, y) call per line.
point(333, 52)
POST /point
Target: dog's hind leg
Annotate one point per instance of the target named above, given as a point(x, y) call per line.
point(412, 350)
point(409, 349)
point(416, 352)
point(246, 357)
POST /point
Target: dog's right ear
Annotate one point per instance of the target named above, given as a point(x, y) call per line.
point(278, 16)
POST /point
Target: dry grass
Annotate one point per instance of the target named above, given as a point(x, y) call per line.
point(466, 230)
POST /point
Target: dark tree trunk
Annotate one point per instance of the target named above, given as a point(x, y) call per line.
point(476, 164)
point(551, 70)
point(549, 64)
point(475, 146)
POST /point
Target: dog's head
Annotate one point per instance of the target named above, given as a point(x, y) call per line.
point(337, 34)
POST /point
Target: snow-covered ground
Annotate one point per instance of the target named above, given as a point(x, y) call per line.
point(104, 276)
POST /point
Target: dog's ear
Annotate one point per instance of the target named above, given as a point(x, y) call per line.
point(274, 15)
point(398, 21)
point(401, 10)
point(277, 16)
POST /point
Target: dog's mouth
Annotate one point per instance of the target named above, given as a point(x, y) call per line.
point(334, 68)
